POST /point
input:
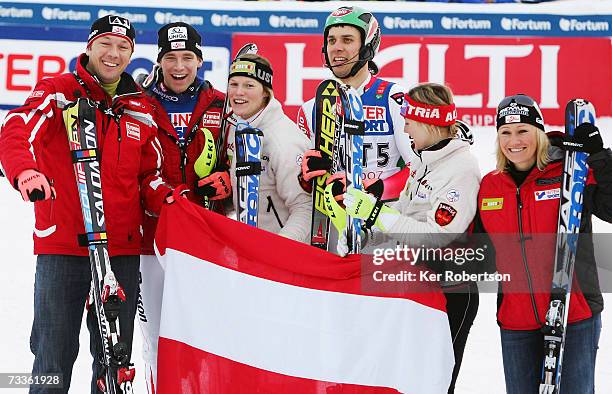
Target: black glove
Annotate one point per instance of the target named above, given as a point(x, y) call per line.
point(586, 139)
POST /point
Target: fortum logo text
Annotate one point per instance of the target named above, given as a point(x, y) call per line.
point(277, 21)
point(510, 24)
point(397, 22)
point(233, 21)
point(588, 25)
point(465, 24)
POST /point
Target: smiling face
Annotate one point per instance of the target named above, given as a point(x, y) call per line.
point(518, 143)
point(179, 69)
point(246, 95)
point(343, 45)
point(108, 57)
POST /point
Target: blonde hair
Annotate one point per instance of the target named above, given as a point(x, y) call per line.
point(266, 62)
point(542, 157)
point(434, 94)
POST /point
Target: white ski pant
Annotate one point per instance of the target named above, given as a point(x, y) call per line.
point(149, 315)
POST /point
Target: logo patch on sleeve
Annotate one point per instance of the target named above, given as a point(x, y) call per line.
point(445, 214)
point(452, 195)
point(37, 94)
point(492, 204)
point(132, 130)
point(551, 194)
point(211, 119)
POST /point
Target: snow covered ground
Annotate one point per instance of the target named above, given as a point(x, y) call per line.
point(481, 373)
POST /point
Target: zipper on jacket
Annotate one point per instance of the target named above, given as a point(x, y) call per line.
point(183, 159)
point(519, 207)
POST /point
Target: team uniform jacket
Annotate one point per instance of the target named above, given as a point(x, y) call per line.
point(284, 207)
point(439, 201)
point(34, 136)
point(387, 149)
point(522, 224)
point(179, 158)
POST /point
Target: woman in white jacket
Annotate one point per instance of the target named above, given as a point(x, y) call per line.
point(439, 200)
point(284, 206)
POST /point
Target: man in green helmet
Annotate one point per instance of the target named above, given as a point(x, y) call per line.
point(351, 39)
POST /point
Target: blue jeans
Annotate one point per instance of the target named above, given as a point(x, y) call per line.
point(61, 288)
point(523, 354)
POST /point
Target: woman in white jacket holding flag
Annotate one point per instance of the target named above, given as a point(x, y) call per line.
point(438, 202)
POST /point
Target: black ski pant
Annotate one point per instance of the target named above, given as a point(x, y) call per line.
point(461, 306)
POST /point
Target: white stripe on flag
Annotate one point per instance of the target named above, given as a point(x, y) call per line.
point(321, 335)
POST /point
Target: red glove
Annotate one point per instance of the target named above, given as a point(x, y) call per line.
point(34, 186)
point(216, 186)
point(314, 165)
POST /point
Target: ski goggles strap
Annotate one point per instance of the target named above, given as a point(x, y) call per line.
point(437, 115)
point(252, 69)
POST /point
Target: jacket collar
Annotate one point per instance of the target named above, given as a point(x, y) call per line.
point(442, 149)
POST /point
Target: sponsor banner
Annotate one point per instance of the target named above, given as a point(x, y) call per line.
point(481, 71)
point(283, 21)
point(26, 57)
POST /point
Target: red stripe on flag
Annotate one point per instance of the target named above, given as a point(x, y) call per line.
point(187, 370)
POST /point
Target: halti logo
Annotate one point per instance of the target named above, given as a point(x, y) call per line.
point(551, 194)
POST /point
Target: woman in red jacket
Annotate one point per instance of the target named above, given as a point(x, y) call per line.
point(518, 206)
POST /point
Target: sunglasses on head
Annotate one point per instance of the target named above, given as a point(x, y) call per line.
point(520, 99)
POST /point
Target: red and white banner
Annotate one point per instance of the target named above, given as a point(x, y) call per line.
point(246, 311)
point(480, 70)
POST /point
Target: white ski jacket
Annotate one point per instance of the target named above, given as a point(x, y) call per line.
point(439, 201)
point(284, 207)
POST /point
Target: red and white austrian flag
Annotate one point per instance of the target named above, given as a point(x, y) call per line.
point(238, 319)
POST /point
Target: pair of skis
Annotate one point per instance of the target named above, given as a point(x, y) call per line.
point(573, 182)
point(338, 121)
point(106, 292)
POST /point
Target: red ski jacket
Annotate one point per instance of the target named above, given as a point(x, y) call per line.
point(34, 136)
point(179, 159)
point(522, 224)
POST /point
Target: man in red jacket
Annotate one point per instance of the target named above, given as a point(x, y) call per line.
point(35, 156)
point(183, 104)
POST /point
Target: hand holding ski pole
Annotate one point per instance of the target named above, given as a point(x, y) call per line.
point(34, 186)
point(314, 165)
point(362, 205)
point(586, 138)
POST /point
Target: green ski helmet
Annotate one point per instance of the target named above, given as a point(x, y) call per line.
point(367, 24)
